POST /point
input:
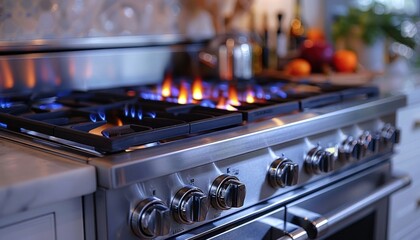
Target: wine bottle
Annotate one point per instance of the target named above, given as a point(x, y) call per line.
point(297, 28)
point(281, 47)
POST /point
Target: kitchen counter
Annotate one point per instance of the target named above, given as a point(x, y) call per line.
point(31, 179)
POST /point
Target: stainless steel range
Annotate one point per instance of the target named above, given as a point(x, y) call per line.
point(267, 159)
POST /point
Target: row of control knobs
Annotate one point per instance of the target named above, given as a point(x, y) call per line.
point(190, 204)
point(319, 160)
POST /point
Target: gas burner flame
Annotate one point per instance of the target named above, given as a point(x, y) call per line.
point(207, 103)
point(197, 89)
point(5, 104)
point(223, 104)
point(3, 125)
point(250, 96)
point(151, 114)
point(102, 115)
point(130, 111)
point(50, 106)
point(167, 86)
point(183, 93)
point(99, 116)
point(233, 96)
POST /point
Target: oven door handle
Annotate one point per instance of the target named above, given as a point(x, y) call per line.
point(317, 225)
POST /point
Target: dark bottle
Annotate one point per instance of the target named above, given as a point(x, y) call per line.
point(297, 28)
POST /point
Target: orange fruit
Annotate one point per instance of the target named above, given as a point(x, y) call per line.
point(298, 67)
point(345, 61)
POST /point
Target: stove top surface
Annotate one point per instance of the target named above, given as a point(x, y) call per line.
point(114, 120)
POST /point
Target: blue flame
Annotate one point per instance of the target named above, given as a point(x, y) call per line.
point(3, 125)
point(133, 112)
point(151, 114)
point(140, 114)
point(126, 110)
point(102, 115)
point(207, 103)
point(50, 106)
point(5, 104)
point(92, 117)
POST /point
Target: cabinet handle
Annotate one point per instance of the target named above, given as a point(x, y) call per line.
point(416, 124)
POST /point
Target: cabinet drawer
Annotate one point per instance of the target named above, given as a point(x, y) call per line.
point(408, 120)
point(39, 228)
point(405, 209)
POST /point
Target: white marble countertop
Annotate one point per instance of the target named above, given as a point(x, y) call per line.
point(30, 178)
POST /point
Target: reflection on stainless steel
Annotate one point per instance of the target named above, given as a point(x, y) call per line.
point(90, 43)
point(83, 70)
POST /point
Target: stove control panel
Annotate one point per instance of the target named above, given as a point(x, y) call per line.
point(283, 172)
point(227, 192)
point(186, 199)
point(189, 205)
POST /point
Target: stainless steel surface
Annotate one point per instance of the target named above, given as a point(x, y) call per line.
point(384, 191)
point(90, 43)
point(227, 192)
point(283, 172)
point(91, 68)
point(123, 169)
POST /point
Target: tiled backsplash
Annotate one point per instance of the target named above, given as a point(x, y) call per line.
point(58, 19)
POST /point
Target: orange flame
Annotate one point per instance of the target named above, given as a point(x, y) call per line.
point(250, 96)
point(222, 104)
point(119, 122)
point(98, 130)
point(183, 94)
point(233, 96)
point(30, 74)
point(166, 86)
point(7, 74)
point(197, 89)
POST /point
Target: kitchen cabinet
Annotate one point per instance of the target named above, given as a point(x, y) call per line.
point(41, 195)
point(404, 218)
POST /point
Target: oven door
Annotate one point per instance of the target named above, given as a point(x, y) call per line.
point(355, 207)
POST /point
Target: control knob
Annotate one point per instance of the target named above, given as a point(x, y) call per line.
point(189, 205)
point(283, 172)
point(389, 136)
point(368, 144)
point(319, 160)
point(350, 150)
point(150, 219)
point(227, 192)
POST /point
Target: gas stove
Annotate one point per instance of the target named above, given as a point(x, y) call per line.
point(196, 159)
